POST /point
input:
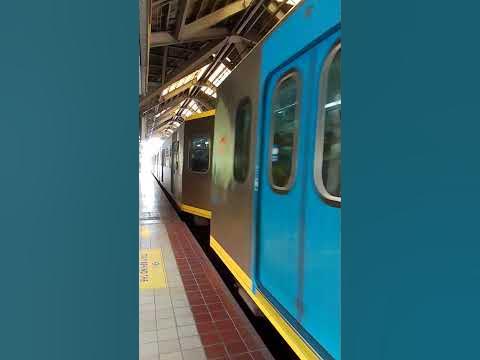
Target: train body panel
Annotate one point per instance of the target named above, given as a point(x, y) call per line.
point(322, 241)
point(232, 194)
point(267, 172)
point(298, 233)
point(279, 230)
point(197, 167)
point(177, 161)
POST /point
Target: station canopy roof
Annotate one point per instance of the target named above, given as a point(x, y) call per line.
point(189, 47)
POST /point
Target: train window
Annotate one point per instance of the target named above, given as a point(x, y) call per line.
point(199, 154)
point(328, 147)
point(175, 154)
point(284, 136)
point(241, 157)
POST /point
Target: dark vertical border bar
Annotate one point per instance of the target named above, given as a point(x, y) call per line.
point(69, 179)
point(411, 172)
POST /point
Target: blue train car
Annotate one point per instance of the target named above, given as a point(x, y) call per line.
point(276, 191)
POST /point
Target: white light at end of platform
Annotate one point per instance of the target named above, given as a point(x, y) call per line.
point(176, 124)
point(152, 144)
point(148, 149)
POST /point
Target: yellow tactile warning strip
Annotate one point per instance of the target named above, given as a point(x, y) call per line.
point(152, 269)
point(291, 336)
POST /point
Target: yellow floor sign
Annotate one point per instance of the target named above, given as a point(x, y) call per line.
point(152, 270)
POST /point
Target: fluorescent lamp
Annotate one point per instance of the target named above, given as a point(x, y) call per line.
point(333, 103)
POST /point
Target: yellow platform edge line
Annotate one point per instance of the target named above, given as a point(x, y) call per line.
point(196, 211)
point(200, 115)
point(291, 336)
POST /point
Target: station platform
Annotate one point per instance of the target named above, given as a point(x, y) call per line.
point(186, 311)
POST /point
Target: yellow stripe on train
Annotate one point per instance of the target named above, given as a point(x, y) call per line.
point(196, 211)
point(291, 336)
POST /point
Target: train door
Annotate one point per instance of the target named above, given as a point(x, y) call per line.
point(298, 244)
point(280, 197)
point(163, 162)
point(172, 164)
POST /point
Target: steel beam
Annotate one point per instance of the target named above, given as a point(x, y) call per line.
point(171, 108)
point(158, 3)
point(214, 18)
point(164, 119)
point(208, 84)
point(207, 101)
point(203, 6)
point(241, 48)
point(164, 64)
point(164, 38)
point(161, 38)
point(247, 16)
point(178, 90)
point(159, 57)
point(274, 9)
point(183, 6)
point(180, 48)
point(203, 35)
point(195, 64)
point(144, 44)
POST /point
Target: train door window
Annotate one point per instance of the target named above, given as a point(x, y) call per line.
point(175, 155)
point(285, 121)
point(241, 155)
point(328, 147)
point(199, 154)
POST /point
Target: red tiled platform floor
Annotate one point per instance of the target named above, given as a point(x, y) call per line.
point(224, 329)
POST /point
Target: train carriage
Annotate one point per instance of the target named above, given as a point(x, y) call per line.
point(276, 177)
point(184, 165)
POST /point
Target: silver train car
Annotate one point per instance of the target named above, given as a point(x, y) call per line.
point(275, 189)
point(233, 177)
point(183, 165)
point(265, 169)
